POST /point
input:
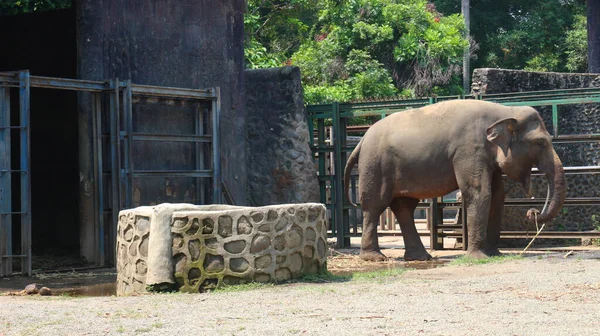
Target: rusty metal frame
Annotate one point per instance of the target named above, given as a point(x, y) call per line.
point(121, 136)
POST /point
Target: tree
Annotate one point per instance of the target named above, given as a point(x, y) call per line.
point(378, 48)
point(523, 34)
point(593, 35)
point(12, 7)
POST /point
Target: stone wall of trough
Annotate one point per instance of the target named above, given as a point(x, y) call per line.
point(213, 246)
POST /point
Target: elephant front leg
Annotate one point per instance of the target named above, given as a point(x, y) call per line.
point(495, 217)
point(477, 197)
point(369, 247)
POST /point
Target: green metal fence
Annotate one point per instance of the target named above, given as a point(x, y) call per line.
point(328, 123)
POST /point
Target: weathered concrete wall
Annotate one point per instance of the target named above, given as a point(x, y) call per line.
point(215, 245)
point(280, 166)
point(573, 119)
point(181, 43)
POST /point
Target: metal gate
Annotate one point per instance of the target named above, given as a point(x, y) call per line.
point(120, 150)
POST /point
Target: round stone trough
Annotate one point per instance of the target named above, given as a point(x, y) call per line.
point(193, 248)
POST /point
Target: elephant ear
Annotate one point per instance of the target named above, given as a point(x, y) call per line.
point(501, 133)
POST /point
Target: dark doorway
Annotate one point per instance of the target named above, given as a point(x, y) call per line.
point(45, 44)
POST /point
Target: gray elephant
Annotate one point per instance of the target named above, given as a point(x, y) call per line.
point(434, 150)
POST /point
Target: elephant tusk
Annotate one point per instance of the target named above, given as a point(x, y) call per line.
point(547, 199)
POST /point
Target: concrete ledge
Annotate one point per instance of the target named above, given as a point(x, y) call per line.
point(209, 246)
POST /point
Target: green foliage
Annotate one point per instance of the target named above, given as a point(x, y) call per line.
point(351, 50)
point(12, 7)
point(537, 35)
point(576, 47)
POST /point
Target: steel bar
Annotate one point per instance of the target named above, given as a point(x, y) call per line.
point(5, 182)
point(115, 161)
point(172, 138)
point(173, 173)
point(98, 176)
point(128, 144)
point(337, 198)
point(216, 147)
point(178, 93)
point(24, 117)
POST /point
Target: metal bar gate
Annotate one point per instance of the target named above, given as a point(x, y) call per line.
point(329, 130)
point(113, 133)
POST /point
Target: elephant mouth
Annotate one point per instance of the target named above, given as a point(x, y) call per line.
point(525, 182)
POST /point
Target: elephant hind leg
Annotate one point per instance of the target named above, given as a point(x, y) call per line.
point(369, 247)
point(404, 209)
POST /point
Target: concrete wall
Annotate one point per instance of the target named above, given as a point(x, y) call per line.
point(181, 43)
point(280, 164)
point(573, 119)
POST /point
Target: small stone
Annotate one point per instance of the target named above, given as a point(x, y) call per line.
point(179, 223)
point(294, 154)
point(308, 252)
point(31, 289)
point(301, 216)
point(144, 246)
point(263, 262)
point(225, 226)
point(281, 224)
point(239, 265)
point(281, 259)
point(142, 223)
point(321, 248)
point(211, 243)
point(128, 235)
point(310, 235)
point(295, 262)
point(213, 263)
point(260, 243)
point(272, 215)
point(194, 248)
point(292, 239)
point(257, 216)
point(262, 277)
point(283, 274)
point(45, 291)
point(140, 267)
point(207, 226)
point(244, 227)
point(264, 228)
point(235, 247)
point(279, 243)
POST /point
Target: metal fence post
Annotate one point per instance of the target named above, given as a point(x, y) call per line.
point(5, 184)
point(338, 196)
point(24, 114)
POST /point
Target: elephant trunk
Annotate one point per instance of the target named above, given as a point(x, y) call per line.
point(556, 192)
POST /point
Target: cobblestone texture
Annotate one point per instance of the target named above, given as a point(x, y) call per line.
point(232, 246)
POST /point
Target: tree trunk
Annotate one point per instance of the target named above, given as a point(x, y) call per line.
point(593, 28)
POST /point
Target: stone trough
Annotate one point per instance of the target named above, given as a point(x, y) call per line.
point(193, 248)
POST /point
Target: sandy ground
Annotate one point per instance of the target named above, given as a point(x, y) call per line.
point(542, 294)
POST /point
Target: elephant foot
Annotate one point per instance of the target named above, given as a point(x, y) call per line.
point(372, 255)
point(477, 254)
point(417, 256)
point(493, 252)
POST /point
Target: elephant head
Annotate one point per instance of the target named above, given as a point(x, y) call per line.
point(522, 142)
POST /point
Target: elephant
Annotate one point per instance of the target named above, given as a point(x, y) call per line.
point(456, 144)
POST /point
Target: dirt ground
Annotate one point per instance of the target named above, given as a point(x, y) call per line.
point(549, 292)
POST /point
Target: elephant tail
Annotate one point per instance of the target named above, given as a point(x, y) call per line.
point(352, 161)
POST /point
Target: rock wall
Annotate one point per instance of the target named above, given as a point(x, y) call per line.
point(215, 245)
point(573, 119)
point(280, 167)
